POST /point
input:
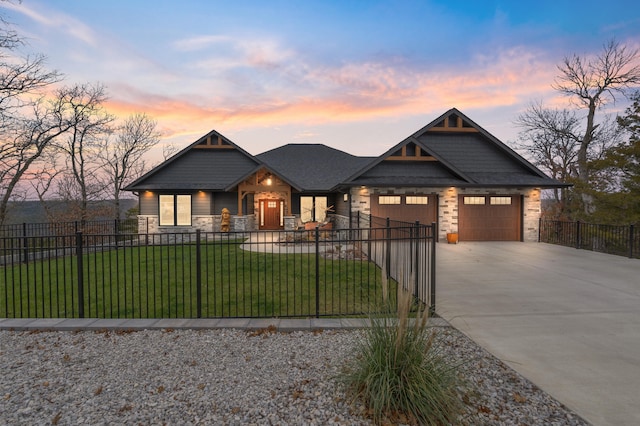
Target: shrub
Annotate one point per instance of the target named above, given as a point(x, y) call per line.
point(398, 370)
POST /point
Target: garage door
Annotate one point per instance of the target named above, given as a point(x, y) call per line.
point(489, 218)
point(406, 208)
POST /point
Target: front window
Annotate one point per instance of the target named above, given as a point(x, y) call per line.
point(175, 210)
point(313, 209)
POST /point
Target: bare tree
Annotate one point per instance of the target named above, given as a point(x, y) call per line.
point(575, 134)
point(549, 135)
point(592, 83)
point(169, 151)
point(30, 138)
point(90, 124)
point(28, 123)
point(121, 157)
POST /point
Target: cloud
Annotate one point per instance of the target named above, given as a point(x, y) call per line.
point(56, 20)
point(353, 91)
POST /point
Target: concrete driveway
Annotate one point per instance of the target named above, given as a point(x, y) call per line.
point(566, 319)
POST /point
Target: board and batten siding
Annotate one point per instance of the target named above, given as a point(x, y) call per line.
point(149, 203)
point(227, 200)
point(342, 207)
point(201, 203)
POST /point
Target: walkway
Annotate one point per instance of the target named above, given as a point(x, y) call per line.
point(567, 319)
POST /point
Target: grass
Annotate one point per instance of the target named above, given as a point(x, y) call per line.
point(399, 372)
point(161, 282)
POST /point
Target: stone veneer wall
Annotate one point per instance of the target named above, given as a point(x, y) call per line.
point(209, 223)
point(448, 204)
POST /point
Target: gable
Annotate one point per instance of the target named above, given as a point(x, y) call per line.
point(211, 163)
point(451, 151)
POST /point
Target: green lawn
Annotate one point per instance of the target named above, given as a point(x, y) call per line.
point(161, 282)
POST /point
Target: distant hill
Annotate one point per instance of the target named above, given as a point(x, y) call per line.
point(34, 211)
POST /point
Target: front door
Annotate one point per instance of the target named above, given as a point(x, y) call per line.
point(271, 214)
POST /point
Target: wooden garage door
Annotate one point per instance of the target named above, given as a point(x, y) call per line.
point(407, 208)
point(489, 218)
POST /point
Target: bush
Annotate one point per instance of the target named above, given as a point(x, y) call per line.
point(398, 371)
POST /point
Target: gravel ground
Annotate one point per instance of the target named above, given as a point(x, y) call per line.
point(227, 377)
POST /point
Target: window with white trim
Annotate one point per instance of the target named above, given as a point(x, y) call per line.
point(478, 201)
point(500, 201)
point(416, 199)
point(388, 199)
point(175, 210)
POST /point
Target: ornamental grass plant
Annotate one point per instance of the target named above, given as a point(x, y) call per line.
point(399, 372)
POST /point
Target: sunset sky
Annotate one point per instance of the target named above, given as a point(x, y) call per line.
point(355, 75)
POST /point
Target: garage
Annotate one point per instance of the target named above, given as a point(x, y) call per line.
point(406, 208)
point(490, 218)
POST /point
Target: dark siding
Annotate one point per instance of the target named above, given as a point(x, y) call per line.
point(201, 203)
point(295, 205)
point(148, 203)
point(225, 199)
point(342, 207)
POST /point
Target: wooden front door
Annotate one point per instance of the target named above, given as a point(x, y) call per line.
point(271, 214)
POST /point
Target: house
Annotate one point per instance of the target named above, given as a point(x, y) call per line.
point(452, 172)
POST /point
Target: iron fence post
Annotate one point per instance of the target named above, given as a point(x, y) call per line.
point(432, 296)
point(80, 266)
point(198, 274)
point(631, 240)
point(416, 267)
point(539, 229)
point(578, 234)
point(317, 271)
point(387, 260)
point(25, 244)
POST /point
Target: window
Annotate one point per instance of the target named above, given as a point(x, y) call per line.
point(474, 200)
point(500, 201)
point(175, 210)
point(415, 199)
point(313, 209)
point(388, 199)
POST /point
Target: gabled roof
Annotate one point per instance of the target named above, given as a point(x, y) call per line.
point(312, 167)
point(212, 163)
point(452, 150)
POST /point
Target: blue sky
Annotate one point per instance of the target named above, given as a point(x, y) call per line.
point(356, 75)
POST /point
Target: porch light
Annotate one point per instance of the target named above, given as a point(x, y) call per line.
point(268, 181)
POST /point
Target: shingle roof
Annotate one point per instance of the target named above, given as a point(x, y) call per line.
point(312, 167)
point(466, 156)
point(213, 169)
point(201, 169)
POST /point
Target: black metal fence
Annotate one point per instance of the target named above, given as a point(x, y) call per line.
point(115, 226)
point(620, 240)
point(186, 275)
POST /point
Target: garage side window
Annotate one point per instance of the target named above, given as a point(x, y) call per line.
point(500, 201)
point(417, 199)
point(474, 200)
point(175, 210)
point(388, 199)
